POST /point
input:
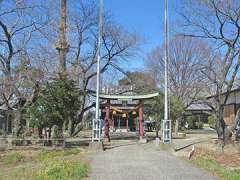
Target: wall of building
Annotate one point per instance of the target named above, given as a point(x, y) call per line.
point(234, 98)
point(6, 125)
point(229, 114)
point(230, 110)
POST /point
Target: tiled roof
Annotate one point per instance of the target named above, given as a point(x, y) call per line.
point(198, 107)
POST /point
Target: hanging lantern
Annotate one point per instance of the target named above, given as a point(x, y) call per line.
point(134, 112)
point(114, 112)
point(124, 115)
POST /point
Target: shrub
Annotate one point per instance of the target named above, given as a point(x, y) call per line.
point(64, 170)
point(1, 132)
point(212, 121)
point(194, 123)
point(191, 122)
point(46, 155)
point(199, 125)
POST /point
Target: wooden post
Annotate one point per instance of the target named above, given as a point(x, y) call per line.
point(113, 126)
point(141, 120)
point(107, 117)
point(134, 122)
point(127, 123)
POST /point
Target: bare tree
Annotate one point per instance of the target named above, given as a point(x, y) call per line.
point(118, 45)
point(141, 82)
point(18, 85)
point(28, 43)
point(186, 56)
point(217, 22)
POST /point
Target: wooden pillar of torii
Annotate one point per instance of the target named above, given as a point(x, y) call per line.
point(141, 121)
point(127, 123)
point(107, 121)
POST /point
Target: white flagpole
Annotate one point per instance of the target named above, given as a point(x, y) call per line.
point(166, 125)
point(100, 31)
point(166, 64)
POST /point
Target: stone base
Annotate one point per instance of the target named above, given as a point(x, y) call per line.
point(142, 140)
point(96, 146)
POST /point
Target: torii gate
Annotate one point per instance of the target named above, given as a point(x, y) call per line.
point(133, 103)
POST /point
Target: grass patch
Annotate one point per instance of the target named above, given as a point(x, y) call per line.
point(13, 158)
point(63, 170)
point(45, 165)
point(221, 171)
point(45, 155)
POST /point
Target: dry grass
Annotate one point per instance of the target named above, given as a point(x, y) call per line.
point(228, 160)
point(226, 166)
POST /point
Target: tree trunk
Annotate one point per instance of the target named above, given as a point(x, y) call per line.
point(220, 128)
point(177, 125)
point(223, 132)
point(71, 127)
point(77, 129)
point(58, 134)
point(17, 131)
point(49, 136)
point(157, 128)
point(50, 133)
point(62, 45)
point(40, 133)
point(236, 128)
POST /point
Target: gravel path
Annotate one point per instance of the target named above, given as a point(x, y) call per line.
point(142, 162)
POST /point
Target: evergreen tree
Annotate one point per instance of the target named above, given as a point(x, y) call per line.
point(57, 105)
point(156, 108)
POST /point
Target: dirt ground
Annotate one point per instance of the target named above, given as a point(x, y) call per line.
point(229, 158)
point(206, 146)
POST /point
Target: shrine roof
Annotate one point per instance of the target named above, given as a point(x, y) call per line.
point(128, 97)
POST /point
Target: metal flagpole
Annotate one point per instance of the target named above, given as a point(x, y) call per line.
point(168, 72)
point(96, 126)
point(166, 66)
point(166, 125)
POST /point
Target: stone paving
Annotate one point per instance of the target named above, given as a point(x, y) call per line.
point(133, 161)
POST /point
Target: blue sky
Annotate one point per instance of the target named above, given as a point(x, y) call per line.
point(146, 17)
